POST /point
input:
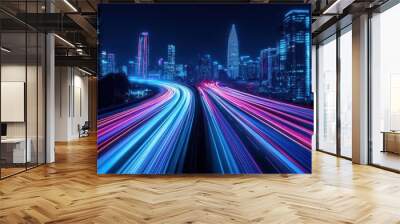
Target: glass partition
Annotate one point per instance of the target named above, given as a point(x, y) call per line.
point(385, 89)
point(32, 97)
point(14, 153)
point(22, 90)
point(346, 92)
point(327, 95)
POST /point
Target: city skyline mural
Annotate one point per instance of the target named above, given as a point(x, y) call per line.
point(204, 88)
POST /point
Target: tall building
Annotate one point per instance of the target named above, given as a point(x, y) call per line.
point(254, 69)
point(249, 68)
point(169, 65)
point(103, 63)
point(111, 63)
point(171, 54)
point(124, 69)
point(180, 71)
point(160, 67)
point(190, 73)
point(233, 54)
point(136, 67)
point(143, 55)
point(205, 67)
point(269, 65)
point(165, 71)
point(131, 68)
point(215, 70)
point(295, 54)
point(107, 63)
point(243, 67)
point(282, 54)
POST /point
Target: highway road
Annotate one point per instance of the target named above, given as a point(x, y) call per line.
point(234, 133)
point(150, 137)
point(252, 134)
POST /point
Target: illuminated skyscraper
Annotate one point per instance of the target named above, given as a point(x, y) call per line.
point(180, 71)
point(215, 70)
point(233, 54)
point(269, 66)
point(107, 63)
point(103, 63)
point(169, 65)
point(171, 60)
point(124, 69)
point(111, 63)
point(143, 55)
point(243, 67)
point(171, 54)
point(249, 68)
point(205, 67)
point(131, 68)
point(295, 54)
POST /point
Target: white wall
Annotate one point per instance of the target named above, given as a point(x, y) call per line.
point(62, 82)
point(33, 127)
point(9, 73)
point(13, 73)
point(80, 111)
point(71, 102)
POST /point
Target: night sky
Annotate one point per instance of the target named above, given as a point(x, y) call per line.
point(193, 29)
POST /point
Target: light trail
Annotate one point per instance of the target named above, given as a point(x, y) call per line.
point(251, 134)
point(149, 138)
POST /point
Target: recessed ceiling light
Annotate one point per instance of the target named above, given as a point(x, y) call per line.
point(337, 7)
point(70, 5)
point(64, 40)
point(5, 50)
point(84, 71)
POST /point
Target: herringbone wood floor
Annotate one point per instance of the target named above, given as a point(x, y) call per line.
point(69, 191)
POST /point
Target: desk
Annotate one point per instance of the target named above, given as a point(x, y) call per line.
point(16, 153)
point(391, 141)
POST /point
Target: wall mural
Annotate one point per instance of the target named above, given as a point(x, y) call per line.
point(219, 89)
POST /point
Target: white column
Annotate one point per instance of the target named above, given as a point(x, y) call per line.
point(63, 99)
point(50, 99)
point(360, 90)
point(50, 92)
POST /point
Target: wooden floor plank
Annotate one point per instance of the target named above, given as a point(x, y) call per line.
point(70, 191)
